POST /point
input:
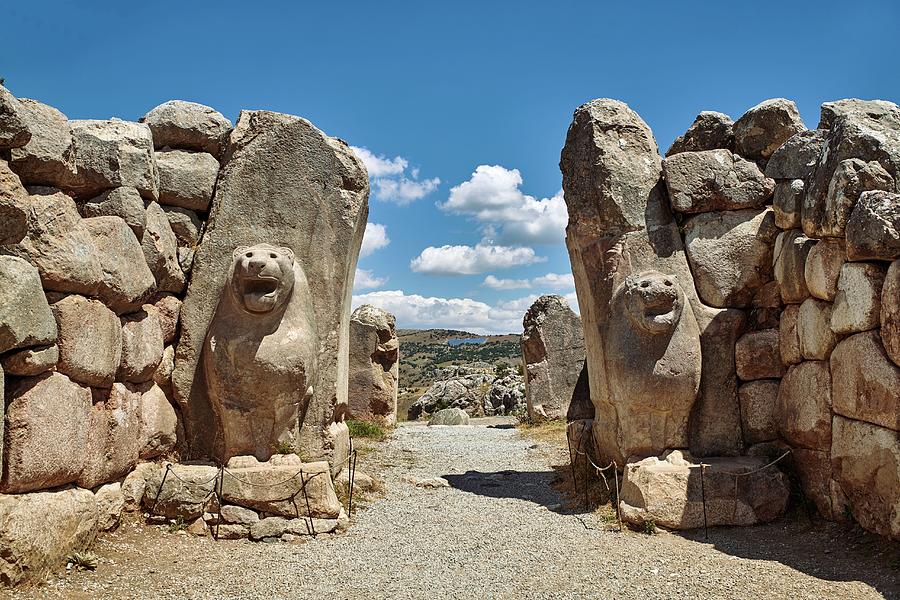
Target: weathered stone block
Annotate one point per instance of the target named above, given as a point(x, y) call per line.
point(789, 335)
point(161, 251)
point(823, 267)
point(851, 178)
point(714, 180)
point(757, 355)
point(817, 339)
point(31, 361)
point(49, 156)
point(709, 131)
point(857, 305)
point(890, 312)
point(797, 157)
point(14, 130)
point(124, 202)
point(126, 280)
point(791, 250)
point(787, 202)
point(803, 408)
point(186, 179)
point(114, 154)
point(13, 207)
point(873, 231)
point(758, 410)
point(865, 383)
point(90, 340)
point(760, 131)
point(188, 125)
point(25, 316)
point(142, 346)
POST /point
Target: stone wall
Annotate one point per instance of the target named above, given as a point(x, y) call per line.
point(100, 224)
point(786, 251)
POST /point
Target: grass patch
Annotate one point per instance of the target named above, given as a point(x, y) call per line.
point(650, 527)
point(543, 430)
point(177, 525)
point(366, 429)
point(83, 561)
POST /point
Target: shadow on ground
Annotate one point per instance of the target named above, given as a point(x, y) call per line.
point(822, 549)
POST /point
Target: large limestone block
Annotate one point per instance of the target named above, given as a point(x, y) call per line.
point(287, 184)
point(114, 435)
point(669, 492)
point(186, 225)
point(38, 531)
point(797, 157)
point(186, 179)
point(161, 250)
point(813, 467)
point(758, 356)
point(47, 429)
point(890, 312)
point(168, 309)
point(866, 463)
point(90, 340)
point(13, 207)
point(620, 224)
point(760, 131)
point(758, 410)
point(31, 361)
point(851, 178)
point(159, 423)
point(857, 306)
point(817, 339)
point(188, 125)
point(14, 130)
point(803, 408)
point(142, 346)
point(114, 154)
point(791, 251)
point(873, 230)
point(865, 383)
point(272, 528)
point(730, 254)
point(858, 129)
point(787, 202)
point(60, 246)
point(127, 280)
point(789, 335)
point(823, 267)
point(282, 487)
point(449, 416)
point(553, 353)
point(25, 316)
point(124, 202)
point(374, 364)
point(709, 131)
point(714, 180)
point(49, 156)
point(186, 492)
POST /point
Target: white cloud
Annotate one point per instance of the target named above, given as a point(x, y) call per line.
point(555, 281)
point(390, 183)
point(492, 196)
point(366, 280)
point(374, 238)
point(505, 284)
point(468, 260)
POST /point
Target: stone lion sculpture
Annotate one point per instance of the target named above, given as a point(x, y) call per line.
point(652, 363)
point(259, 358)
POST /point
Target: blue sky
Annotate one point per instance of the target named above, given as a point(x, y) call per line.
point(462, 106)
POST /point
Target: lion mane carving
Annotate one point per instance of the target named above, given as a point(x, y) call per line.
point(259, 358)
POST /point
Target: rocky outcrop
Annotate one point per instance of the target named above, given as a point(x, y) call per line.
point(374, 365)
point(463, 388)
point(506, 396)
point(553, 353)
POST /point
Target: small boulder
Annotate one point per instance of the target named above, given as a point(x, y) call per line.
point(159, 423)
point(890, 312)
point(110, 504)
point(757, 355)
point(31, 361)
point(449, 416)
point(789, 335)
point(823, 267)
point(851, 178)
point(25, 316)
point(787, 202)
point(239, 515)
point(817, 339)
point(14, 130)
point(714, 180)
point(186, 225)
point(865, 383)
point(142, 346)
point(161, 251)
point(791, 251)
point(760, 131)
point(126, 280)
point(709, 131)
point(797, 157)
point(60, 246)
point(873, 231)
point(124, 202)
point(114, 154)
point(803, 407)
point(187, 179)
point(186, 492)
point(90, 340)
point(49, 156)
point(188, 125)
point(857, 305)
point(730, 254)
point(169, 313)
point(278, 486)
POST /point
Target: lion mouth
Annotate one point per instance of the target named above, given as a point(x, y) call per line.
point(260, 286)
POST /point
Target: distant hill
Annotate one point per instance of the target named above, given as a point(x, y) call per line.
point(424, 351)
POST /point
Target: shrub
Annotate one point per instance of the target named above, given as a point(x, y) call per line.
point(366, 429)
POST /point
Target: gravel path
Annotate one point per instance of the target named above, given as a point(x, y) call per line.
point(497, 531)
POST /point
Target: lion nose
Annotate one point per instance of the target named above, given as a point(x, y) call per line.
point(256, 265)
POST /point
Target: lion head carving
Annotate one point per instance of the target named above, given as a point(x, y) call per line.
point(262, 277)
point(654, 301)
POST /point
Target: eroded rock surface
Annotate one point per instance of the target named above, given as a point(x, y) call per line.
point(374, 364)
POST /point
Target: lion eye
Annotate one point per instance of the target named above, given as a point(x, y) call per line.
point(249, 255)
point(645, 284)
point(668, 283)
point(272, 255)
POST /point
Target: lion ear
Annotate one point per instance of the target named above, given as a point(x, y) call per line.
point(287, 252)
point(239, 250)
